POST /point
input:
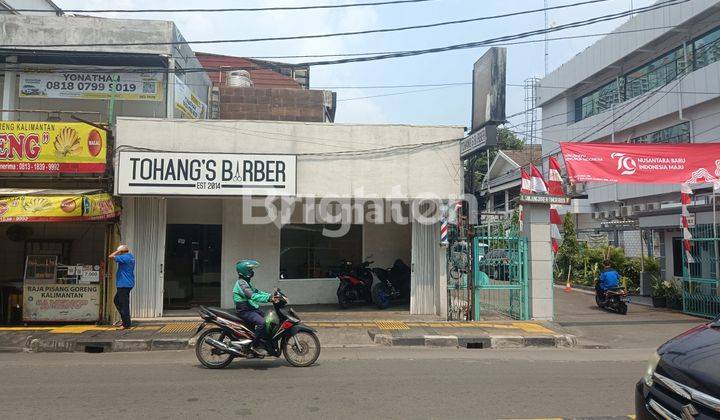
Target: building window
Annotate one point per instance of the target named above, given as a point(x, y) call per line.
point(703, 51)
point(306, 253)
point(676, 134)
point(706, 49)
point(598, 101)
point(499, 201)
point(655, 74)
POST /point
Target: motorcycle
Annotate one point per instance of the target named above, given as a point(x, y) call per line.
point(230, 337)
point(615, 299)
point(393, 284)
point(355, 284)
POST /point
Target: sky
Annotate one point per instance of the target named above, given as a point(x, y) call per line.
point(445, 106)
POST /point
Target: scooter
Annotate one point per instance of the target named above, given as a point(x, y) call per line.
point(615, 299)
point(230, 337)
point(393, 284)
point(355, 284)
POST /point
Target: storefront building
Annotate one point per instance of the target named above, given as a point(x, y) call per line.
point(195, 199)
point(54, 241)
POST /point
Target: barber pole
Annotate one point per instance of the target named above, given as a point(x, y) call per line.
point(686, 200)
point(444, 233)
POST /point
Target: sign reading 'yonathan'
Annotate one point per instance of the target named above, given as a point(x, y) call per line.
point(167, 173)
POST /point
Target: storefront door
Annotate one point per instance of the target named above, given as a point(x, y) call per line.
point(192, 266)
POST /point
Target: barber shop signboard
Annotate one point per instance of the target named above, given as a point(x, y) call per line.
point(206, 174)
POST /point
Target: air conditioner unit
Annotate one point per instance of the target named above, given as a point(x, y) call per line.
point(615, 214)
point(606, 215)
point(626, 211)
point(597, 215)
point(653, 206)
point(638, 208)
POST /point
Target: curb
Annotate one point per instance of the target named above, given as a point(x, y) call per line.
point(476, 341)
point(92, 345)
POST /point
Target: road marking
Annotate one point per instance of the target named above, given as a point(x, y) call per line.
point(392, 325)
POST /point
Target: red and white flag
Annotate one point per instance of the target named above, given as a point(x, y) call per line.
point(555, 181)
point(686, 200)
point(526, 182)
point(555, 223)
point(537, 183)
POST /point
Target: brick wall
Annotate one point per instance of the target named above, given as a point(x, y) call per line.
point(273, 104)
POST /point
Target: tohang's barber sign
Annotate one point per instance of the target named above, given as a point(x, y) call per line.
point(206, 174)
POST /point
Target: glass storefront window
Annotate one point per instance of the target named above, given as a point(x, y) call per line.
point(676, 134)
point(306, 253)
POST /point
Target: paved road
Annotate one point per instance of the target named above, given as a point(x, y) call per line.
point(361, 383)
point(641, 328)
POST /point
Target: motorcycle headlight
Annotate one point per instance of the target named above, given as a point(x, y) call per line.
point(650, 369)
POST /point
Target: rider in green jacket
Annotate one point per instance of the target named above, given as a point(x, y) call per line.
point(247, 301)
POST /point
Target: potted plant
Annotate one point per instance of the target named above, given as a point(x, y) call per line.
point(660, 290)
point(674, 297)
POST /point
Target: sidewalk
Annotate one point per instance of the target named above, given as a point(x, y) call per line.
point(174, 335)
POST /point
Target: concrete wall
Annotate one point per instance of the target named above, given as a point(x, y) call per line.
point(194, 211)
point(237, 103)
point(47, 30)
point(412, 172)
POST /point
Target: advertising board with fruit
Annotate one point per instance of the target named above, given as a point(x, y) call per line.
point(57, 208)
point(49, 147)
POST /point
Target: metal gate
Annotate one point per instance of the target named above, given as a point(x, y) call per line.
point(701, 288)
point(500, 275)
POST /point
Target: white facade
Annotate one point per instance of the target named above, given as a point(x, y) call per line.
point(676, 100)
point(411, 163)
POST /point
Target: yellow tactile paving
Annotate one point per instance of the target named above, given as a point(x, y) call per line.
point(392, 325)
point(179, 327)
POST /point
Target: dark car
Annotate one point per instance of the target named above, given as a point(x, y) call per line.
point(682, 380)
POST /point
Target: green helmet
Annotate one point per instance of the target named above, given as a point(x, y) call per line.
point(245, 268)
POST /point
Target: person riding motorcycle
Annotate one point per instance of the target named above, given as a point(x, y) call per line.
point(609, 278)
point(247, 300)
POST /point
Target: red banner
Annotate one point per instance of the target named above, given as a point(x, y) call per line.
point(642, 163)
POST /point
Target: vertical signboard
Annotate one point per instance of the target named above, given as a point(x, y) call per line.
point(488, 104)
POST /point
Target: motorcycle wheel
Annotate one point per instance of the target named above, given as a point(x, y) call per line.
point(209, 356)
point(301, 349)
point(381, 296)
point(342, 293)
point(622, 308)
point(599, 301)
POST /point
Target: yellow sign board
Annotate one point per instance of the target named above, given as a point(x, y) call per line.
point(51, 147)
point(57, 208)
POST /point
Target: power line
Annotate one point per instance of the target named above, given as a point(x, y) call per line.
point(370, 31)
point(232, 9)
point(397, 93)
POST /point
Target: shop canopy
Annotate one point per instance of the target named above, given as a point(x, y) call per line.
point(43, 205)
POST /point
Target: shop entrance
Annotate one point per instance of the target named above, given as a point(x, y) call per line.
point(192, 266)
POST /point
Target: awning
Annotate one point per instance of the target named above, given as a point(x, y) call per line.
point(28, 205)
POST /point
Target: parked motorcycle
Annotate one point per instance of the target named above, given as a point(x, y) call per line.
point(230, 337)
point(615, 299)
point(393, 284)
point(355, 284)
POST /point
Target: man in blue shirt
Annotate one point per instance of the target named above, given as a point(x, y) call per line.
point(609, 278)
point(124, 282)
